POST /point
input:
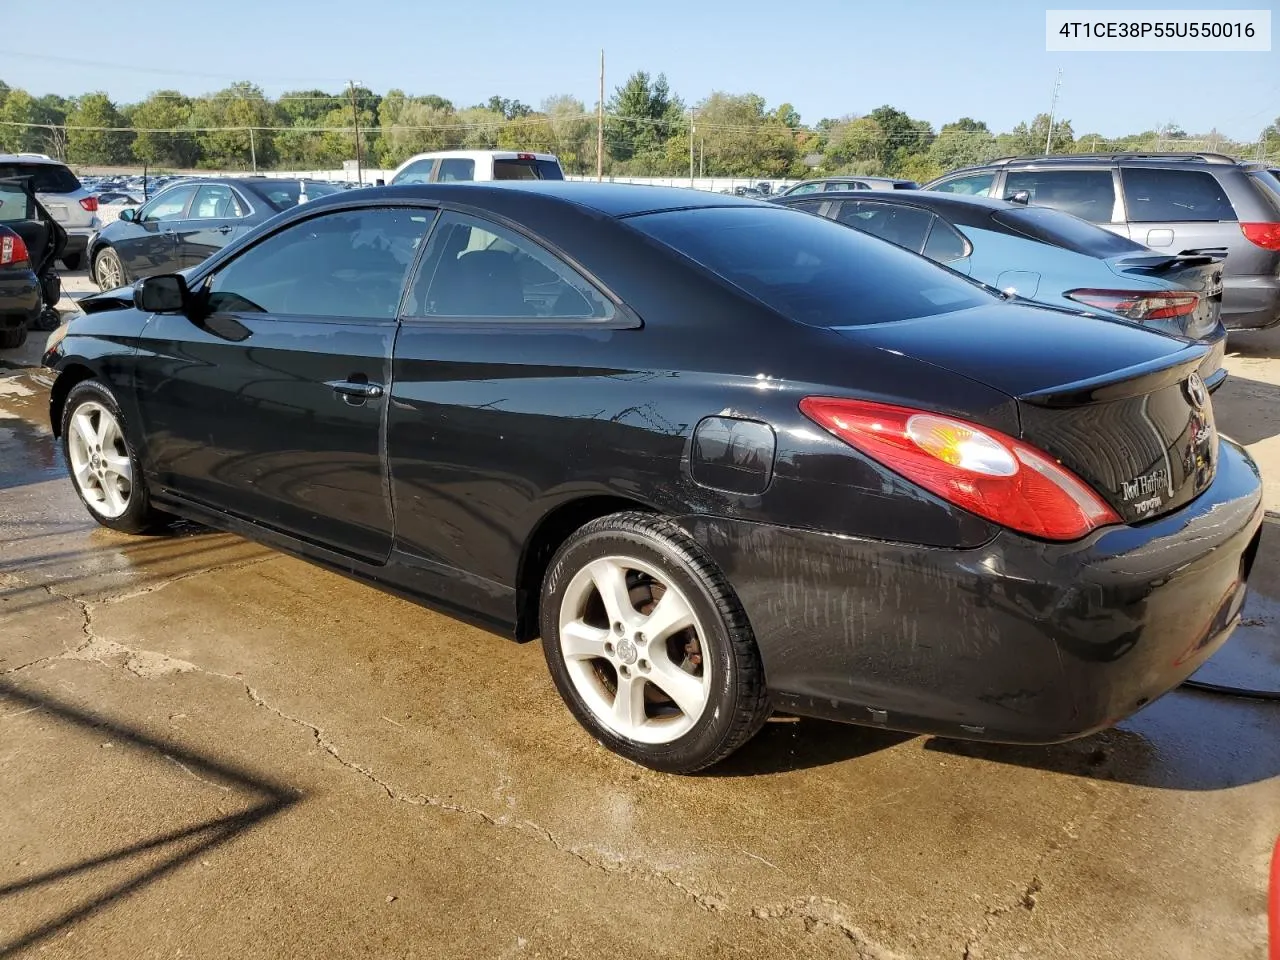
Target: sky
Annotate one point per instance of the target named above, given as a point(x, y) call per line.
point(936, 59)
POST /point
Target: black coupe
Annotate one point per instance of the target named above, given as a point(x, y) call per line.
point(722, 456)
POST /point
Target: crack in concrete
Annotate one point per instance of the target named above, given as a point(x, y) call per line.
point(825, 913)
point(162, 584)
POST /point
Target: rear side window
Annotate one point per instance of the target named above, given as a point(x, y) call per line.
point(905, 226)
point(1158, 196)
point(1270, 187)
point(840, 186)
point(15, 205)
point(46, 177)
point(945, 242)
point(1063, 230)
point(528, 169)
point(456, 168)
point(1087, 194)
point(809, 268)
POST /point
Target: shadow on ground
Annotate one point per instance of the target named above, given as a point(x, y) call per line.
point(267, 800)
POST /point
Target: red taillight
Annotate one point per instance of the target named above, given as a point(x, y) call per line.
point(1265, 235)
point(12, 250)
point(525, 156)
point(976, 468)
point(90, 204)
point(1139, 304)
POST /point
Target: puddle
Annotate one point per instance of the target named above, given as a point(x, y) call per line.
point(1250, 660)
point(28, 452)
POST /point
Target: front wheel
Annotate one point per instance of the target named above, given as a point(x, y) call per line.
point(649, 646)
point(105, 469)
point(108, 272)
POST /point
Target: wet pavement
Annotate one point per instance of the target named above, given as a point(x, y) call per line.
point(208, 749)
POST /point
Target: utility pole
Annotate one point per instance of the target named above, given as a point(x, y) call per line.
point(1053, 108)
point(600, 124)
point(355, 116)
point(253, 151)
point(702, 156)
point(691, 129)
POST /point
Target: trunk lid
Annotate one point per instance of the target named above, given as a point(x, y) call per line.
point(1122, 407)
point(1199, 271)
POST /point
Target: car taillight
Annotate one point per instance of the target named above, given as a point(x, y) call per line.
point(13, 251)
point(90, 204)
point(976, 468)
point(1265, 235)
point(1140, 304)
point(525, 156)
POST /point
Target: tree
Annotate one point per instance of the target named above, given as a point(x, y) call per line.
point(235, 128)
point(510, 109)
point(92, 131)
point(162, 137)
point(643, 115)
point(857, 144)
point(741, 139)
point(960, 144)
point(1026, 140)
point(572, 132)
point(409, 125)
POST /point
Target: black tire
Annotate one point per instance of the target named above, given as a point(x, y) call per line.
point(737, 702)
point(107, 256)
point(12, 339)
point(72, 261)
point(139, 516)
point(49, 320)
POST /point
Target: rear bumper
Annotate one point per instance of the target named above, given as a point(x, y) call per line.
point(1250, 303)
point(1016, 641)
point(19, 299)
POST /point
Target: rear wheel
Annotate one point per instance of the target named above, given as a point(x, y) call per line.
point(648, 644)
point(12, 339)
point(108, 272)
point(104, 466)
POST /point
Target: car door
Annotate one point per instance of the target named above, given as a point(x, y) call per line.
point(1175, 210)
point(149, 244)
point(268, 402)
point(215, 218)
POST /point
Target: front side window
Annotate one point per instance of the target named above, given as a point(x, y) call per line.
point(216, 201)
point(170, 205)
point(417, 172)
point(810, 269)
point(803, 188)
point(974, 185)
point(1161, 196)
point(348, 263)
point(457, 168)
point(905, 226)
point(1087, 194)
point(479, 270)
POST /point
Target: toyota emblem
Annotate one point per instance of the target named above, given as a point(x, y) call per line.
point(1196, 392)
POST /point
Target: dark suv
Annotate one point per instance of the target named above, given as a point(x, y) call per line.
point(1169, 201)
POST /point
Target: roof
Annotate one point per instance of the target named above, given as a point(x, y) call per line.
point(611, 199)
point(477, 154)
point(957, 208)
point(29, 158)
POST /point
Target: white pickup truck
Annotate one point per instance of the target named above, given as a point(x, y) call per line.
point(443, 166)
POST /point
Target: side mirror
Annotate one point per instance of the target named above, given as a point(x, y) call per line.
point(1022, 196)
point(127, 214)
point(166, 293)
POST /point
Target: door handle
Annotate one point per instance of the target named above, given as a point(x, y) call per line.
point(351, 390)
point(224, 229)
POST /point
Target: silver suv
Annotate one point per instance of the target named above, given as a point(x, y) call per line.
point(62, 194)
point(1167, 201)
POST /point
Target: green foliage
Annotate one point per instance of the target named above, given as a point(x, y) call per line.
point(171, 145)
point(644, 115)
point(88, 145)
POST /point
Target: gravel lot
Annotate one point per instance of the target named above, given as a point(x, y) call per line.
point(208, 749)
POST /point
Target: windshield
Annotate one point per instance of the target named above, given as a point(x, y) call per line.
point(284, 194)
point(1065, 231)
point(46, 177)
point(527, 170)
point(812, 269)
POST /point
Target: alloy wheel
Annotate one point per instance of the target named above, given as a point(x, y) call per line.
point(100, 463)
point(109, 274)
point(634, 650)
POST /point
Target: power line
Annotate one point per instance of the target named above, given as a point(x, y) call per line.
point(101, 64)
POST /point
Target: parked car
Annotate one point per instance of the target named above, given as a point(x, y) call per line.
point(841, 184)
point(1165, 201)
point(61, 193)
point(445, 166)
point(1050, 257)
point(187, 221)
point(113, 196)
point(722, 456)
point(30, 243)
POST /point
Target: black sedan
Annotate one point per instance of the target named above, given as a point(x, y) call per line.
point(183, 224)
point(722, 456)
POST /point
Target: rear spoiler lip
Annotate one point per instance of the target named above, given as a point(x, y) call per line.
point(1138, 380)
point(1156, 262)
